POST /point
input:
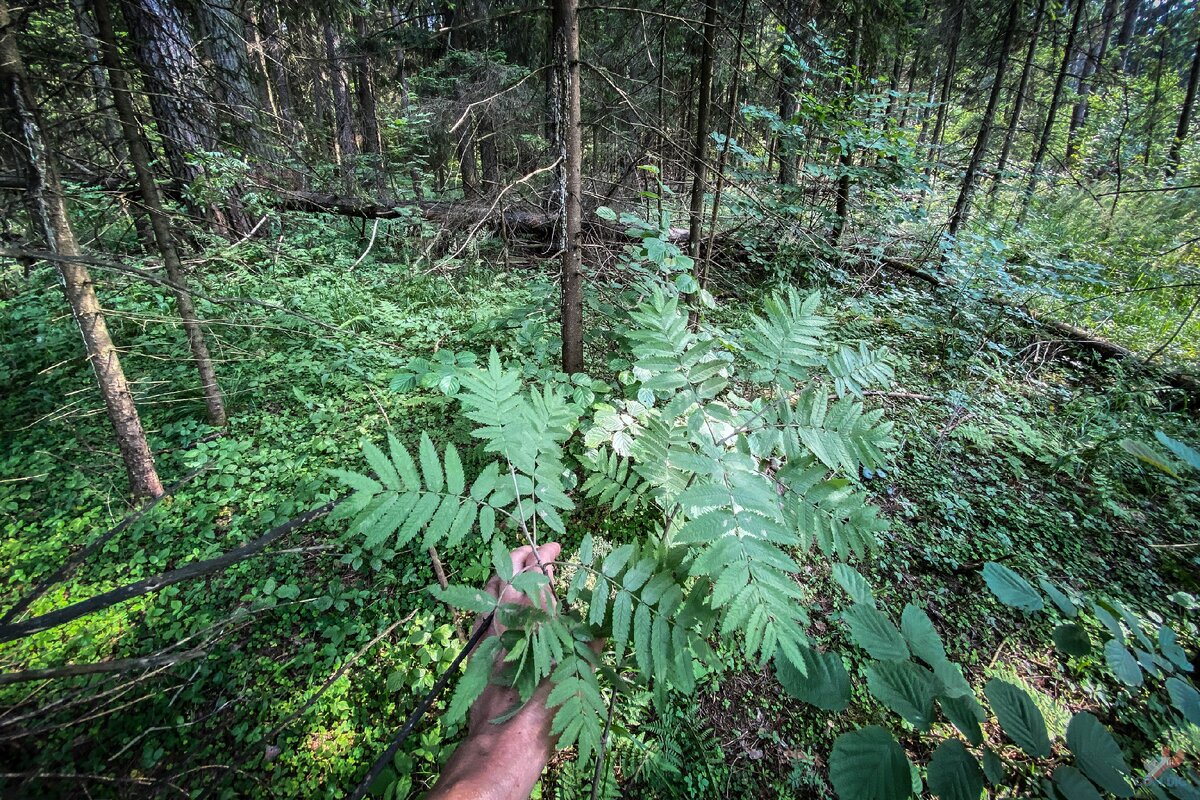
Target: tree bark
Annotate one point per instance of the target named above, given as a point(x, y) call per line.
point(163, 236)
point(1185, 115)
point(963, 204)
point(564, 46)
point(49, 209)
point(955, 17)
point(846, 156)
point(112, 131)
point(700, 147)
point(222, 34)
point(788, 80)
point(1128, 29)
point(345, 147)
point(1014, 120)
point(1060, 80)
point(165, 52)
point(273, 54)
point(364, 84)
point(1092, 61)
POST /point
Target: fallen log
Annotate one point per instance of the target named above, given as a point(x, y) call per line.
point(1071, 333)
point(539, 224)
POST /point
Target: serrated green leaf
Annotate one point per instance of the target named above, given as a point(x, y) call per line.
point(1168, 644)
point(1059, 598)
point(473, 681)
point(1011, 589)
point(1186, 699)
point(382, 466)
point(874, 632)
point(1020, 718)
point(923, 639)
point(487, 523)
point(1122, 663)
point(359, 483)
point(964, 713)
point(954, 774)
point(501, 561)
point(854, 584)
point(1072, 639)
point(1073, 786)
point(455, 480)
point(1098, 755)
point(465, 597)
point(403, 464)
point(993, 768)
point(820, 680)
point(905, 688)
point(868, 764)
point(430, 467)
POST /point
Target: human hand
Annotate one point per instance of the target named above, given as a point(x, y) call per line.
point(502, 761)
point(496, 700)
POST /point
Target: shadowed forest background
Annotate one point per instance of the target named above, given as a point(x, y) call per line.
point(850, 350)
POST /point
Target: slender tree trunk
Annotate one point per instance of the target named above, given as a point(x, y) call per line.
point(700, 147)
point(49, 209)
point(956, 15)
point(841, 209)
point(140, 156)
point(165, 52)
point(1185, 115)
point(1014, 119)
point(1092, 61)
point(112, 131)
point(1128, 29)
point(223, 36)
point(963, 204)
point(274, 55)
point(788, 80)
point(343, 120)
point(565, 49)
point(1155, 98)
point(1060, 80)
point(703, 269)
point(364, 84)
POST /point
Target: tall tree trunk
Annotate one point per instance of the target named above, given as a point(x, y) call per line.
point(1155, 97)
point(112, 131)
point(274, 55)
point(700, 146)
point(1185, 115)
point(1014, 119)
point(140, 156)
point(346, 148)
point(48, 208)
point(955, 16)
point(165, 53)
point(223, 35)
point(564, 34)
point(1043, 145)
point(1092, 61)
point(963, 203)
point(364, 83)
point(841, 209)
point(788, 80)
point(731, 118)
point(1128, 29)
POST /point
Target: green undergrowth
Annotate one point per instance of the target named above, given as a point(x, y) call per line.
point(1009, 451)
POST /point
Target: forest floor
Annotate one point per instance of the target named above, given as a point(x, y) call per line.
point(1009, 450)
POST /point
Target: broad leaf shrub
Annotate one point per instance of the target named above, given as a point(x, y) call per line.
point(747, 459)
